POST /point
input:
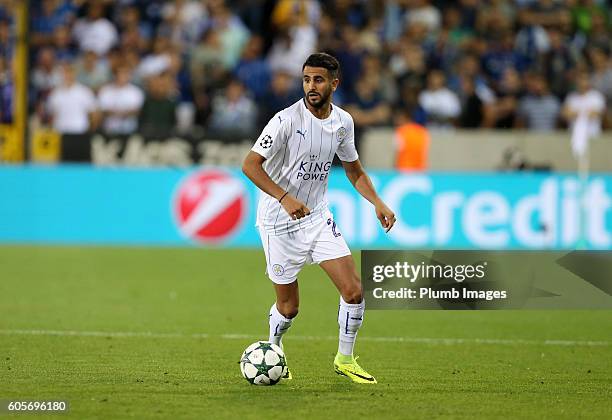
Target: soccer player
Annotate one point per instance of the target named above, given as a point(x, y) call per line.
point(290, 163)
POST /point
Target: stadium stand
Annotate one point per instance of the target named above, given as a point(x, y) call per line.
point(489, 62)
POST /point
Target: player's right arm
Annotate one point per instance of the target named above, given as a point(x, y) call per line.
point(266, 146)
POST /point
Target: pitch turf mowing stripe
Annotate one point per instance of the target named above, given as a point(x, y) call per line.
point(423, 340)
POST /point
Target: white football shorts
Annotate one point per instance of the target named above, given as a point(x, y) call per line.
point(286, 254)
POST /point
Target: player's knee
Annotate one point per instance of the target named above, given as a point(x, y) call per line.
point(353, 294)
point(287, 309)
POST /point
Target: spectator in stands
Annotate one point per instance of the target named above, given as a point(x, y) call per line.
point(92, 71)
point(232, 32)
point(6, 42)
point(62, 44)
point(234, 112)
point(72, 106)
point(500, 54)
point(440, 103)
point(46, 75)
point(469, 68)
point(6, 94)
point(95, 32)
point(291, 48)
point(458, 35)
point(50, 15)
point(599, 36)
point(158, 113)
point(557, 63)
point(411, 142)
point(158, 61)
point(408, 65)
point(601, 79)
point(252, 69)
point(207, 67)
point(120, 103)
point(472, 107)
point(130, 20)
point(184, 21)
point(585, 103)
point(366, 104)
point(328, 38)
point(372, 67)
point(538, 109)
point(409, 102)
point(282, 93)
point(422, 12)
point(584, 12)
point(505, 108)
point(349, 55)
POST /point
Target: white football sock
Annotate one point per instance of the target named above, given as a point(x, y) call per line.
point(278, 325)
point(350, 318)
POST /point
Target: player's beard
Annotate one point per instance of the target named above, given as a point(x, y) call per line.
point(319, 101)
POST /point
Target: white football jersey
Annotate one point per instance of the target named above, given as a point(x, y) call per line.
point(299, 149)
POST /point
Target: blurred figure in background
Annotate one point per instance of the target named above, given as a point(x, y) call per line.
point(158, 114)
point(509, 92)
point(601, 79)
point(120, 103)
point(6, 93)
point(366, 105)
point(440, 103)
point(48, 16)
point(281, 94)
point(91, 71)
point(411, 142)
point(45, 76)
point(583, 109)
point(296, 37)
point(539, 109)
point(62, 44)
point(207, 67)
point(72, 106)
point(94, 32)
point(234, 111)
point(252, 69)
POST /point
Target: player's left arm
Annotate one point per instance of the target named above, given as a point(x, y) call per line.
point(362, 183)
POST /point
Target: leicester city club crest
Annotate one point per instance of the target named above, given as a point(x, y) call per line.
point(278, 270)
point(341, 134)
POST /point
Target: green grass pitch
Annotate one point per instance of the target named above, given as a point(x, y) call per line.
point(157, 333)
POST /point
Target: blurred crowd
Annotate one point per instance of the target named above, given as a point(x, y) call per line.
point(228, 66)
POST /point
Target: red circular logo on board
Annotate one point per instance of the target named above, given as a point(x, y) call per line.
point(209, 206)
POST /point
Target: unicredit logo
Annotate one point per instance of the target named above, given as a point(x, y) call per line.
point(209, 206)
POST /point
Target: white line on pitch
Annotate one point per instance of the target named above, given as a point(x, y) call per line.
point(422, 340)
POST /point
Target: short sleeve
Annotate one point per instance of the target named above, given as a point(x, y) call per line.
point(346, 149)
point(104, 99)
point(599, 102)
point(89, 100)
point(272, 137)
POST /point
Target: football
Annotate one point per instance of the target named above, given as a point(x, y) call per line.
point(263, 363)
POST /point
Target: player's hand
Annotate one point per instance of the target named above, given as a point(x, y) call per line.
point(385, 215)
point(294, 207)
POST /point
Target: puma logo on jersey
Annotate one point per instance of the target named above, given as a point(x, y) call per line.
point(302, 134)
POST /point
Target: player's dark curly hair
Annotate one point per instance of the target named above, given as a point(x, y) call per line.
point(325, 61)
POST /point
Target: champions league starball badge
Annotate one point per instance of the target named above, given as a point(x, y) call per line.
point(266, 142)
